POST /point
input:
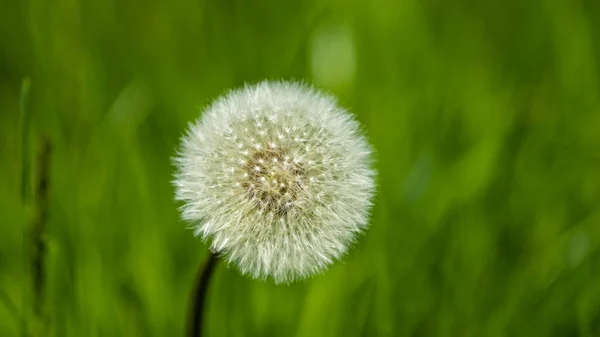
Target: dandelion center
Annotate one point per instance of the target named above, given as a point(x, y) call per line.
point(273, 181)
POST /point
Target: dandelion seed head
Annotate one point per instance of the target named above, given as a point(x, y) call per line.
point(278, 178)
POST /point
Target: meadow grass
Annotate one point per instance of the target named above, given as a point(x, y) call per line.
point(485, 116)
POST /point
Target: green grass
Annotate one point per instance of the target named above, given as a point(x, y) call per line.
point(486, 120)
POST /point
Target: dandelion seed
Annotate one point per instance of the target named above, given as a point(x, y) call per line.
point(273, 224)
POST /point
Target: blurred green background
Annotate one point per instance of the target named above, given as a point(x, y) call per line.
point(486, 120)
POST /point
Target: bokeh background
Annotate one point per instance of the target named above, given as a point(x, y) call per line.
point(486, 120)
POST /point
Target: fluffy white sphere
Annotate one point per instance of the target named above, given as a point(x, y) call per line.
point(278, 178)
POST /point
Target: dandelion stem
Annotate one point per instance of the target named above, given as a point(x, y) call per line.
point(198, 296)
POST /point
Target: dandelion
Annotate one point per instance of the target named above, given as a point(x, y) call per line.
point(278, 178)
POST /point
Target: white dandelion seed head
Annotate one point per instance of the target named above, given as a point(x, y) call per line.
point(278, 178)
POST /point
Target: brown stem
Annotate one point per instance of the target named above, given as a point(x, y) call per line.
point(38, 233)
point(198, 296)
